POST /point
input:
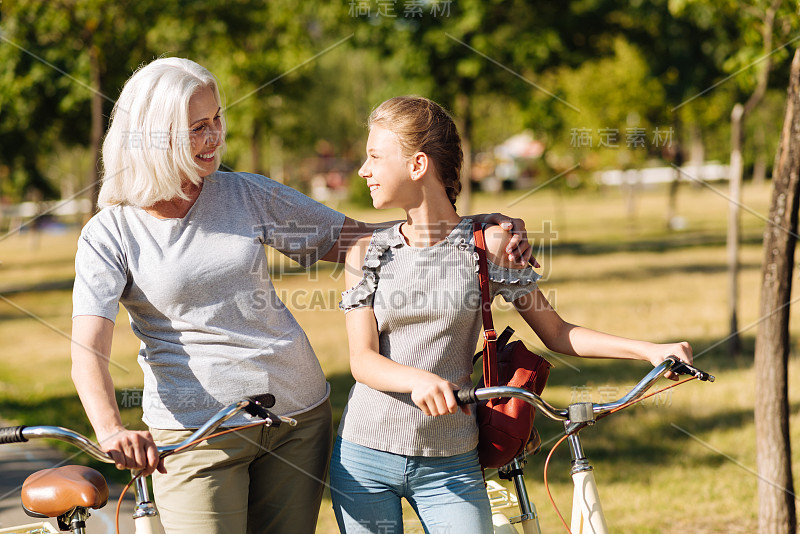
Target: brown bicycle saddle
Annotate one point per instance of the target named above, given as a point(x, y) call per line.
point(53, 492)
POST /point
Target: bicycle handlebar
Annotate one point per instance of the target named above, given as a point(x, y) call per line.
point(21, 434)
point(671, 363)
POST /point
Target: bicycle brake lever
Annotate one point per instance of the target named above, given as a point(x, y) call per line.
point(684, 368)
point(255, 409)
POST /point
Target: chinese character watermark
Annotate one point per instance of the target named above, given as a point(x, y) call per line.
point(392, 8)
point(159, 140)
point(635, 138)
point(609, 393)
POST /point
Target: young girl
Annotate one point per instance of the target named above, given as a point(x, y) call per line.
point(413, 319)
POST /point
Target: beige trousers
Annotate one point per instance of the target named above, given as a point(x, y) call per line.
point(258, 480)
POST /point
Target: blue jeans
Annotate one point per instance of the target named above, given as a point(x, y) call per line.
point(447, 493)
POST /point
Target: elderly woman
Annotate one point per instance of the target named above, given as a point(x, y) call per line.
point(181, 246)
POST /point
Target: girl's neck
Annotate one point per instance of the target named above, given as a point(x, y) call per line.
point(429, 224)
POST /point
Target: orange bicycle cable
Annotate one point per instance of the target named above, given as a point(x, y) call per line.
point(631, 403)
point(119, 502)
point(220, 433)
point(190, 444)
point(547, 486)
point(559, 442)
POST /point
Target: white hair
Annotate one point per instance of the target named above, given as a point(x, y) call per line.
point(147, 152)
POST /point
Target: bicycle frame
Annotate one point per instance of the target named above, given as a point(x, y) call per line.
point(587, 511)
point(528, 518)
point(145, 515)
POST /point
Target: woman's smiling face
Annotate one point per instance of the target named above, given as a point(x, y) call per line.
point(205, 130)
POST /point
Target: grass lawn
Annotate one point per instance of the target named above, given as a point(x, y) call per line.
point(685, 463)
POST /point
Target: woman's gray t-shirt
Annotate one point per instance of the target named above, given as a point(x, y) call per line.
point(427, 308)
point(201, 300)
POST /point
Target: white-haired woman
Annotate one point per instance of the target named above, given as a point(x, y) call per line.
point(181, 246)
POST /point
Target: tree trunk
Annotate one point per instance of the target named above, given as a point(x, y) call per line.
point(465, 128)
point(760, 163)
point(276, 157)
point(677, 156)
point(97, 122)
point(776, 506)
point(697, 150)
point(738, 115)
point(255, 148)
point(734, 226)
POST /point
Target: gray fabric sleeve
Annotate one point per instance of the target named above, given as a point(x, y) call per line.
point(297, 226)
point(100, 278)
point(360, 295)
point(511, 283)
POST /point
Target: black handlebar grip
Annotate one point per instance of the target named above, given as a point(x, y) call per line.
point(466, 396)
point(256, 410)
point(12, 434)
point(267, 400)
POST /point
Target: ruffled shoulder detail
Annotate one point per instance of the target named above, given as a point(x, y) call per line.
point(361, 294)
point(498, 274)
point(507, 276)
point(461, 236)
point(511, 284)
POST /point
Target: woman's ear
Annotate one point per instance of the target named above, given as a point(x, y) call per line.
point(418, 165)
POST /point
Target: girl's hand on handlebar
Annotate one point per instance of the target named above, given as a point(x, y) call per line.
point(133, 449)
point(434, 396)
point(659, 352)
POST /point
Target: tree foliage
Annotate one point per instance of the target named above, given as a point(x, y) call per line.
point(46, 87)
point(299, 75)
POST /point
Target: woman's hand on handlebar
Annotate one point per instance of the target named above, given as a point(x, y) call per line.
point(659, 352)
point(132, 449)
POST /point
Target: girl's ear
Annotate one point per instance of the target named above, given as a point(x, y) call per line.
point(418, 165)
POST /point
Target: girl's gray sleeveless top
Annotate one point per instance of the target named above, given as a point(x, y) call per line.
point(427, 306)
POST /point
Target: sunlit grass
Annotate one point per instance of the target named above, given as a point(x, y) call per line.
point(683, 466)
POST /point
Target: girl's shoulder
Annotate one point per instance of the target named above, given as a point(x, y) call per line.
point(366, 252)
point(497, 240)
point(358, 251)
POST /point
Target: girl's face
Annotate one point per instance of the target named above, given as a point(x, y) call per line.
point(386, 170)
point(205, 130)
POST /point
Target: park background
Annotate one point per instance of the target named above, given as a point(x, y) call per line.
point(605, 125)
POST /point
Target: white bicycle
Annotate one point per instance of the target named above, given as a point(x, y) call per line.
point(67, 493)
point(587, 512)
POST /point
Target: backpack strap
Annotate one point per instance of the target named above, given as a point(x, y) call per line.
point(489, 335)
point(504, 338)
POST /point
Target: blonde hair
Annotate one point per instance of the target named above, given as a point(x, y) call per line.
point(147, 152)
point(422, 125)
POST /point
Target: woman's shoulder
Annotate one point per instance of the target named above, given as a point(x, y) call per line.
point(234, 178)
point(108, 220)
point(246, 179)
point(258, 184)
